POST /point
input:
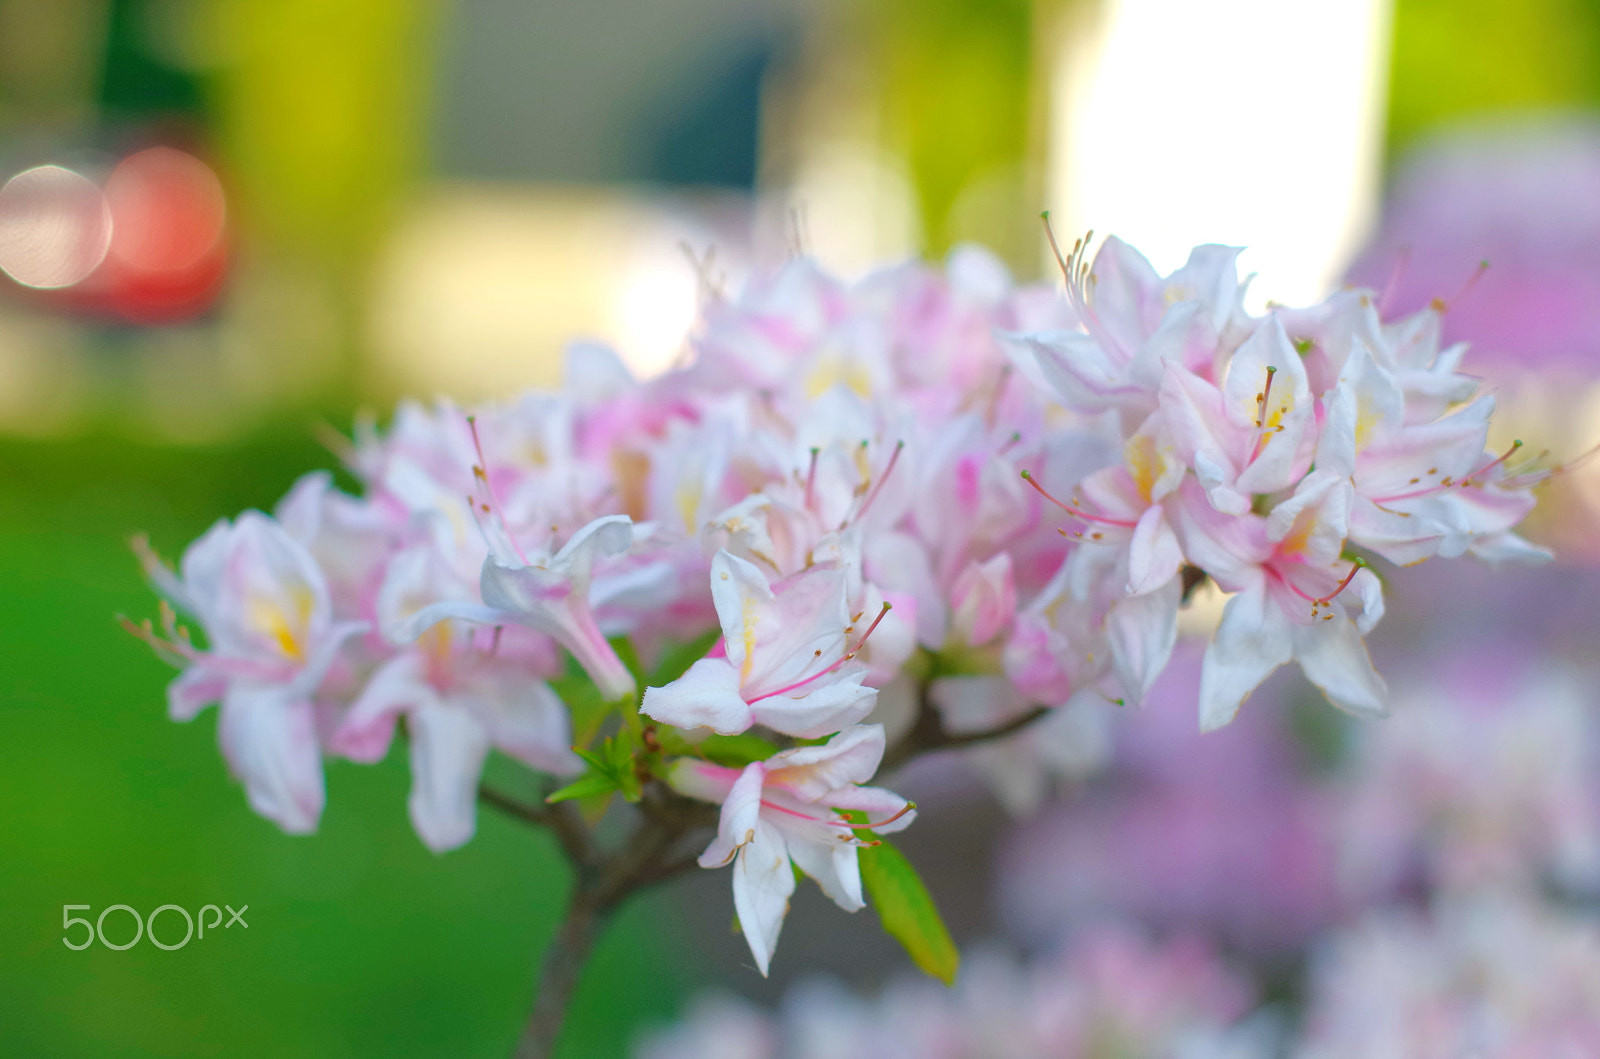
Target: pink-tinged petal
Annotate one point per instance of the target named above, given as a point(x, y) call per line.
point(407, 630)
point(272, 600)
point(1081, 373)
point(706, 696)
point(1141, 631)
point(1267, 347)
point(694, 778)
point(1335, 659)
point(1509, 548)
point(1402, 538)
point(197, 688)
point(804, 630)
point(809, 772)
point(762, 885)
point(1310, 526)
point(1128, 296)
point(1230, 548)
point(834, 867)
point(983, 601)
point(1419, 457)
point(270, 743)
point(1154, 555)
point(741, 814)
point(974, 703)
point(1367, 591)
point(526, 720)
point(1033, 661)
point(398, 685)
point(743, 597)
point(842, 700)
point(1202, 434)
point(879, 805)
point(556, 604)
point(448, 747)
point(1251, 641)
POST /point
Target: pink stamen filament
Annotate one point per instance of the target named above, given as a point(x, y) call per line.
point(877, 486)
point(811, 477)
point(1075, 512)
point(1450, 483)
point(1317, 602)
point(1263, 432)
point(824, 672)
point(1402, 259)
point(838, 822)
point(1075, 270)
point(1472, 281)
point(481, 473)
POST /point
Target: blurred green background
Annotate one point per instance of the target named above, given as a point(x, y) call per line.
point(357, 141)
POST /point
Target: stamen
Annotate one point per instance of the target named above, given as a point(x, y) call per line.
point(1492, 464)
point(1447, 482)
point(494, 509)
point(877, 487)
point(1401, 261)
point(811, 476)
point(1075, 512)
point(1264, 396)
point(1356, 564)
point(824, 672)
point(1472, 281)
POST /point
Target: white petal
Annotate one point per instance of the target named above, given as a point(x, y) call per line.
point(270, 742)
point(1251, 641)
point(1153, 555)
point(837, 700)
point(762, 884)
point(1334, 658)
point(706, 696)
point(448, 746)
point(834, 867)
point(810, 772)
point(363, 733)
point(1142, 631)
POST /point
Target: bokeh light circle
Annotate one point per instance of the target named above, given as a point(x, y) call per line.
point(55, 227)
point(169, 210)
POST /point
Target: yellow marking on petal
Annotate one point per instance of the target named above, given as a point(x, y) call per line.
point(266, 616)
point(834, 370)
point(1140, 455)
point(688, 497)
point(1299, 536)
point(748, 613)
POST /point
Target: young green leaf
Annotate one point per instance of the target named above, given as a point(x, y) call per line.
point(907, 912)
point(583, 787)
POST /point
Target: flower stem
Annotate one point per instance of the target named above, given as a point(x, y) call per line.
point(653, 852)
point(558, 977)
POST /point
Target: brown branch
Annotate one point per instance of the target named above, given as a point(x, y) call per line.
point(928, 734)
point(561, 818)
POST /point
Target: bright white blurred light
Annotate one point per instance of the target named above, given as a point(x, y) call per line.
point(655, 304)
point(55, 227)
point(1253, 123)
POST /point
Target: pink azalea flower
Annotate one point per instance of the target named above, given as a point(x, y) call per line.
point(788, 662)
point(786, 809)
point(263, 605)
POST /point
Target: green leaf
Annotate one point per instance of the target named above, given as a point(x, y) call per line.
point(583, 787)
point(734, 751)
point(907, 912)
point(677, 658)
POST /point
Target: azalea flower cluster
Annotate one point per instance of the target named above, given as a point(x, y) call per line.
point(916, 511)
point(1109, 993)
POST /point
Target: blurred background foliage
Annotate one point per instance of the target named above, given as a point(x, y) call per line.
point(428, 197)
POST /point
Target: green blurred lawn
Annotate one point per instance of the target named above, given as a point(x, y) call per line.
point(360, 941)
